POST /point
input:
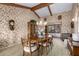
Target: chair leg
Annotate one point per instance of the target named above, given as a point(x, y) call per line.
point(42, 50)
point(47, 50)
point(38, 50)
point(23, 53)
point(51, 44)
point(30, 53)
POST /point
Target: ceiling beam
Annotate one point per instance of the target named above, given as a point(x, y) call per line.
point(41, 5)
point(50, 10)
point(36, 14)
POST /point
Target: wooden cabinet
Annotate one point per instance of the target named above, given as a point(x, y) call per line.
point(73, 47)
point(76, 50)
point(32, 30)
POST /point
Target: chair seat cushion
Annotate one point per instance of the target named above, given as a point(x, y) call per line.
point(46, 44)
point(27, 49)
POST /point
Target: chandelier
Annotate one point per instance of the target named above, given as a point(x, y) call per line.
point(42, 22)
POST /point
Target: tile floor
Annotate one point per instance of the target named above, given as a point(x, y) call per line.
point(59, 48)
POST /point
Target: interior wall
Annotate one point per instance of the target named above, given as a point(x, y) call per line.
point(65, 21)
point(75, 17)
point(78, 19)
point(21, 16)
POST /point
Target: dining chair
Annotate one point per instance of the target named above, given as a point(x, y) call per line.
point(28, 47)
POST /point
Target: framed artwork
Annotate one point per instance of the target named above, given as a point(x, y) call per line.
point(59, 17)
point(55, 28)
point(51, 28)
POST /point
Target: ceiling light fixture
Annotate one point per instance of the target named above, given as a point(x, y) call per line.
point(42, 22)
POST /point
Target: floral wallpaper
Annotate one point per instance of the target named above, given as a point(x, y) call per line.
point(65, 21)
point(21, 16)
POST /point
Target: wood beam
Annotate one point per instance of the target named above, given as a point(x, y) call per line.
point(36, 14)
point(50, 10)
point(41, 5)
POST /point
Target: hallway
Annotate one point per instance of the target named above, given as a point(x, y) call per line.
point(59, 48)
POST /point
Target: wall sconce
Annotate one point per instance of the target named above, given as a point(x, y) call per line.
point(72, 24)
point(11, 24)
point(59, 17)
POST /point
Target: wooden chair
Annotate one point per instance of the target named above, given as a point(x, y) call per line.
point(29, 47)
point(44, 46)
point(51, 42)
point(48, 44)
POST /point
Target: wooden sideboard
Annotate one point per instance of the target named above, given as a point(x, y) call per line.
point(73, 47)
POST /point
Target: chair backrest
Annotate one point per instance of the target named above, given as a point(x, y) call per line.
point(24, 41)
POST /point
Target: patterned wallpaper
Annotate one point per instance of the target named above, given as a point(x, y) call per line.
point(21, 16)
point(65, 21)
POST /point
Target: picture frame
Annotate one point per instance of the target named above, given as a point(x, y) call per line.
point(55, 28)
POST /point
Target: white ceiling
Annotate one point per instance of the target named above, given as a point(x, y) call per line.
point(43, 12)
point(29, 4)
point(55, 8)
point(60, 7)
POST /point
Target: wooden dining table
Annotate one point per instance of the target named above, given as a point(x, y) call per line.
point(38, 40)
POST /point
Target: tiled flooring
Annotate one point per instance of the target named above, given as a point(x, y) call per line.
point(59, 48)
